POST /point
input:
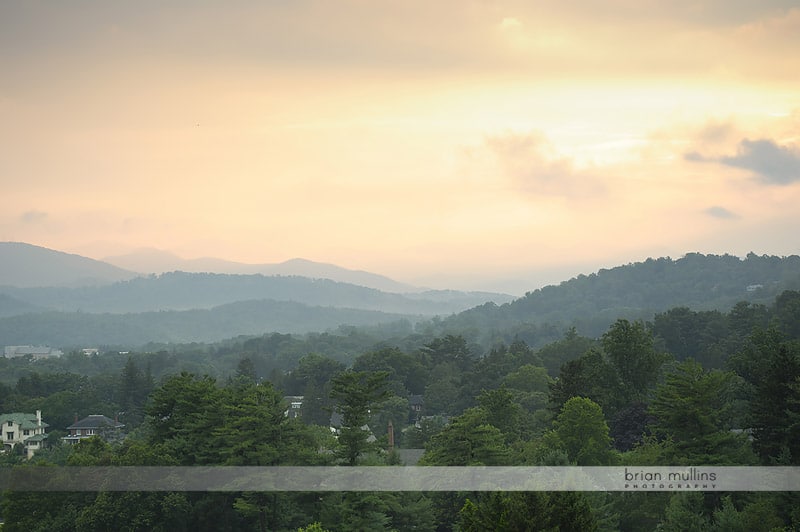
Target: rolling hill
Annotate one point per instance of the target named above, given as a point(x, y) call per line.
point(26, 265)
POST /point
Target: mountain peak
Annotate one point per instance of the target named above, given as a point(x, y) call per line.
point(28, 265)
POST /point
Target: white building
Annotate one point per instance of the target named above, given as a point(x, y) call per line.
point(27, 429)
point(35, 351)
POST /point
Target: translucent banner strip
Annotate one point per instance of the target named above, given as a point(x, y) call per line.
point(399, 478)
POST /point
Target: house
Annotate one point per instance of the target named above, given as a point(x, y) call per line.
point(25, 429)
point(416, 403)
point(94, 425)
point(295, 406)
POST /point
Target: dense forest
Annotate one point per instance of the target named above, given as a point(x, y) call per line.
point(689, 386)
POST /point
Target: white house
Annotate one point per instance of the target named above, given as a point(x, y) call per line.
point(27, 429)
point(295, 403)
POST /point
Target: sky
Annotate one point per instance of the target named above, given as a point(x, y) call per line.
point(459, 144)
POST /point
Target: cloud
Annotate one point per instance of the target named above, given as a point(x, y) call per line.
point(721, 212)
point(33, 217)
point(696, 157)
point(535, 167)
point(774, 164)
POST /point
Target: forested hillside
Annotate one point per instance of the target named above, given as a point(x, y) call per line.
point(637, 291)
point(692, 387)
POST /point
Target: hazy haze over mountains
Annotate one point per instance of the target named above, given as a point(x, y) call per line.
point(26, 265)
point(151, 260)
point(47, 279)
point(184, 306)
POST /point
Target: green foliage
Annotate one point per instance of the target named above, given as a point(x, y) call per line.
point(313, 527)
point(448, 349)
point(394, 409)
point(727, 518)
point(135, 512)
point(693, 407)
point(583, 432)
point(182, 413)
point(704, 336)
point(134, 387)
point(685, 514)
point(356, 393)
point(770, 366)
point(787, 313)
point(407, 374)
point(572, 346)
point(502, 412)
point(41, 512)
point(496, 402)
point(589, 376)
point(444, 389)
point(92, 451)
point(527, 511)
point(630, 349)
point(196, 422)
point(468, 440)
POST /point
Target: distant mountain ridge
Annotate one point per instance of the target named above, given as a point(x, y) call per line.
point(150, 260)
point(185, 291)
point(26, 265)
point(157, 308)
point(54, 282)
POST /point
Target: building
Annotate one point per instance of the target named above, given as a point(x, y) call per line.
point(36, 352)
point(415, 402)
point(295, 406)
point(25, 429)
point(94, 425)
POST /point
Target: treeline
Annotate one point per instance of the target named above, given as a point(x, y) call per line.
point(173, 326)
point(635, 291)
point(690, 388)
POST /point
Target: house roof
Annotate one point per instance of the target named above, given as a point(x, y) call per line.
point(96, 421)
point(37, 437)
point(415, 400)
point(24, 420)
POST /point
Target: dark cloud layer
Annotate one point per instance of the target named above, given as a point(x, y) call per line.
point(773, 163)
point(769, 161)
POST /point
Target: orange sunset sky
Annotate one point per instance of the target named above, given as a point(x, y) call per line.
point(442, 143)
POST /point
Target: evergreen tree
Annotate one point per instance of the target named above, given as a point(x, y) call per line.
point(693, 408)
point(357, 393)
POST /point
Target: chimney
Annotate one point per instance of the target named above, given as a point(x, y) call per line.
point(38, 418)
point(76, 417)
